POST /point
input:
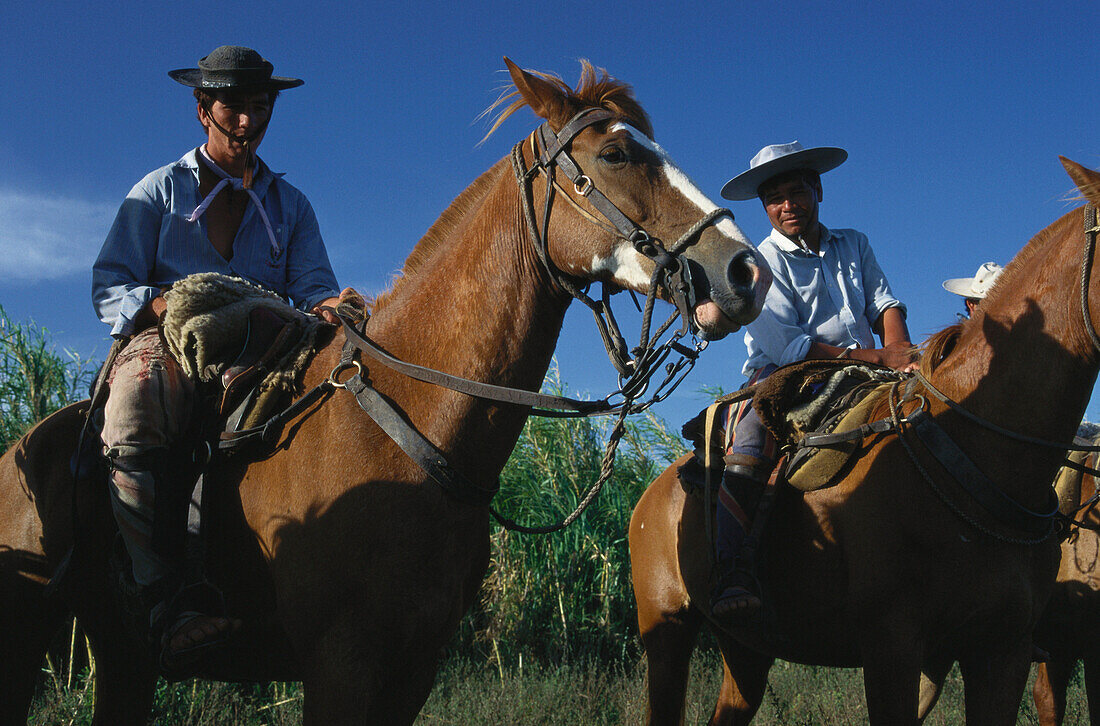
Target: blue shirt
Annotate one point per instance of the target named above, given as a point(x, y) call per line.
point(152, 244)
point(832, 297)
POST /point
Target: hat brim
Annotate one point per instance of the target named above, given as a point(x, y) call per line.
point(193, 77)
point(820, 159)
point(962, 286)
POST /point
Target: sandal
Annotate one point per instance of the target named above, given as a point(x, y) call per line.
point(736, 598)
point(184, 629)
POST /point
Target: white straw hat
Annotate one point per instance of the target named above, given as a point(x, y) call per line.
point(977, 286)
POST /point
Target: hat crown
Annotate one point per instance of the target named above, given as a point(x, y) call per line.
point(234, 57)
point(985, 277)
point(774, 151)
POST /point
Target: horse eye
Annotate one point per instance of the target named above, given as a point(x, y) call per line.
point(613, 155)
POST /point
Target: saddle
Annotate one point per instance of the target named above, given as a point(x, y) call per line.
point(818, 411)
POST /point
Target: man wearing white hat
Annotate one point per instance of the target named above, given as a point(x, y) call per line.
point(974, 289)
point(829, 299)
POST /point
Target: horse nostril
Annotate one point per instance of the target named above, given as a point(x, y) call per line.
point(742, 271)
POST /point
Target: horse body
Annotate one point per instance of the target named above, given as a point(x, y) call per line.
point(1069, 630)
point(349, 566)
point(879, 571)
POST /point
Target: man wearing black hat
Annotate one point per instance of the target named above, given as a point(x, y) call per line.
point(218, 209)
point(829, 298)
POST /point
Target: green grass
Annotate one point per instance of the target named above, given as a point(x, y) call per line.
point(478, 693)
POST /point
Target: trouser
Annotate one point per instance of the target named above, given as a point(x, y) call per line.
point(145, 419)
point(749, 460)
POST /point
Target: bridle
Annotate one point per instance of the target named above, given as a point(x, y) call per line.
point(636, 368)
point(671, 270)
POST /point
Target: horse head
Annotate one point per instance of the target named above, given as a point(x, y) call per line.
point(632, 218)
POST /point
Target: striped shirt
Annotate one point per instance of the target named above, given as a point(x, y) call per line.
point(152, 244)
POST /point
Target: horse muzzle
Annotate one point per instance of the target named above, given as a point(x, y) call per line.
point(731, 295)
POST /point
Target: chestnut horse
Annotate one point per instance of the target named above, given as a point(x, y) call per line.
point(890, 570)
point(349, 566)
point(1070, 627)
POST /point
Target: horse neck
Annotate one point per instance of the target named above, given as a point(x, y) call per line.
point(1025, 363)
point(474, 302)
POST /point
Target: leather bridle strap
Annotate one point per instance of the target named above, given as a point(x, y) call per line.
point(477, 389)
point(415, 445)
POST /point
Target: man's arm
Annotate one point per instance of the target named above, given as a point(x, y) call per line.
point(897, 351)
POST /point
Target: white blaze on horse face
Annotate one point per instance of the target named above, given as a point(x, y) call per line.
point(625, 264)
point(683, 184)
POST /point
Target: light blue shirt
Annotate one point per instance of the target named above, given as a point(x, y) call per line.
point(152, 244)
point(832, 297)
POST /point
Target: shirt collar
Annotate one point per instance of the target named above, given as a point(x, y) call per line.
point(260, 181)
point(786, 244)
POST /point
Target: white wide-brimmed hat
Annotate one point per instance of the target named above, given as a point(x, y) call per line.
point(977, 286)
point(777, 159)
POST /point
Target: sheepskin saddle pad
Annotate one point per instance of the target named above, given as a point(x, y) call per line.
point(807, 397)
point(214, 322)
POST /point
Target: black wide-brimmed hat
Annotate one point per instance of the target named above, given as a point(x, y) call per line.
point(233, 66)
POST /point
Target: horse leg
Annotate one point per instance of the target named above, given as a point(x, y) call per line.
point(669, 643)
point(26, 629)
point(891, 672)
point(994, 683)
point(348, 683)
point(1092, 688)
point(744, 679)
point(125, 674)
point(931, 684)
point(1049, 691)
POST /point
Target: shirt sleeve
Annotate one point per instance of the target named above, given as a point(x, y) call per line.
point(309, 274)
point(776, 331)
point(879, 296)
point(121, 274)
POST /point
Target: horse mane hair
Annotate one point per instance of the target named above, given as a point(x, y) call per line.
point(595, 89)
point(938, 347)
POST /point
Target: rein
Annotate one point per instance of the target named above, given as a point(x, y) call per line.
point(1008, 510)
point(636, 368)
point(1034, 526)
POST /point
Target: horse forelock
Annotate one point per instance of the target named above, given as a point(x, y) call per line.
point(596, 89)
point(441, 230)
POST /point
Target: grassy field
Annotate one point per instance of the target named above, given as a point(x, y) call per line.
point(552, 640)
point(469, 693)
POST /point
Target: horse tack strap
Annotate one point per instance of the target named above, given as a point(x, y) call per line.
point(954, 406)
point(415, 446)
point(469, 387)
point(977, 485)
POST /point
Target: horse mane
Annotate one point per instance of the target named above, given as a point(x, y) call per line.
point(935, 350)
point(441, 230)
point(595, 89)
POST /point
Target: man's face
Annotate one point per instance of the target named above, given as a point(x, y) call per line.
point(791, 204)
point(241, 115)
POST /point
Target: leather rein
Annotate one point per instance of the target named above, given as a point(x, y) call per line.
point(636, 368)
point(1028, 526)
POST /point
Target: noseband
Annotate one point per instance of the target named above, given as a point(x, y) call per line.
point(670, 269)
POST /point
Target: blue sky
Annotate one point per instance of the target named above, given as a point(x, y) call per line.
point(953, 118)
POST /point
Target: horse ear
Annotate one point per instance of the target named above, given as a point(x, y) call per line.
point(544, 98)
point(1087, 180)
